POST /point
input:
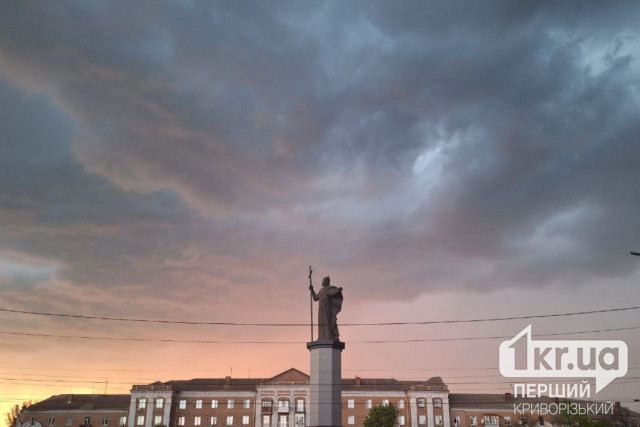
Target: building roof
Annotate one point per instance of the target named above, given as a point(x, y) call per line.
point(82, 402)
point(293, 377)
point(390, 384)
point(373, 384)
point(212, 384)
point(433, 383)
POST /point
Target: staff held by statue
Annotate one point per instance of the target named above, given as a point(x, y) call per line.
point(311, 301)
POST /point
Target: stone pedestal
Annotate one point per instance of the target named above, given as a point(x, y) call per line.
point(326, 383)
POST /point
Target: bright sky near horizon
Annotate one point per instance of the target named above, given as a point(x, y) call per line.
point(187, 161)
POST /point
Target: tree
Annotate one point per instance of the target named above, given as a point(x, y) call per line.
point(565, 417)
point(14, 413)
point(382, 416)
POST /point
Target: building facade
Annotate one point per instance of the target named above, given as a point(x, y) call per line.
point(78, 410)
point(283, 401)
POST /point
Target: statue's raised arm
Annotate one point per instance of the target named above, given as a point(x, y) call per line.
point(329, 305)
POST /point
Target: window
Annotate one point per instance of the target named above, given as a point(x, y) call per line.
point(351, 420)
point(351, 404)
point(283, 405)
point(422, 402)
point(68, 421)
point(300, 405)
point(199, 404)
point(104, 421)
point(159, 403)
point(142, 403)
point(456, 419)
point(87, 421)
point(473, 420)
point(507, 421)
point(439, 420)
point(246, 404)
point(157, 420)
point(123, 421)
point(368, 404)
point(140, 420)
point(266, 420)
point(197, 421)
point(401, 420)
point(230, 420)
point(52, 421)
point(182, 404)
point(267, 403)
point(401, 404)
point(437, 403)
point(385, 402)
point(213, 421)
point(230, 405)
point(180, 421)
point(491, 419)
point(214, 404)
point(422, 419)
point(245, 420)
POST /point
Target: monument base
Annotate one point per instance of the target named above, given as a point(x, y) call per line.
point(325, 399)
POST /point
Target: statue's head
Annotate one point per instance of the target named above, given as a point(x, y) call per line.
point(326, 281)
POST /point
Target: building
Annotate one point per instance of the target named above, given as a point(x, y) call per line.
point(78, 410)
point(282, 401)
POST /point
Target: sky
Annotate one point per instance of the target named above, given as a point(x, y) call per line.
point(187, 161)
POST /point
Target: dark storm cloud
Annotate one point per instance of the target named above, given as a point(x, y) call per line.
point(53, 210)
point(429, 144)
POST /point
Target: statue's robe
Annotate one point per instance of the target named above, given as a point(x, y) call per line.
point(329, 305)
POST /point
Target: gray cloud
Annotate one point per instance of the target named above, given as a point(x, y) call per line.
point(438, 144)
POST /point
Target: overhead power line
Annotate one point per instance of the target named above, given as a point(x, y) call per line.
point(375, 382)
point(636, 365)
point(7, 376)
point(412, 340)
point(427, 322)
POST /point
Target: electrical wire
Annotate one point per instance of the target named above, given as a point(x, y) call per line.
point(412, 340)
point(13, 381)
point(428, 322)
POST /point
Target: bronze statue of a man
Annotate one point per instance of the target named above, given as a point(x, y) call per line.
point(329, 305)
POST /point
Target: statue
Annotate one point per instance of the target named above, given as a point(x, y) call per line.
point(329, 305)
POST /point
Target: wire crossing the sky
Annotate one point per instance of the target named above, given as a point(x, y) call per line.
point(427, 322)
point(398, 341)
